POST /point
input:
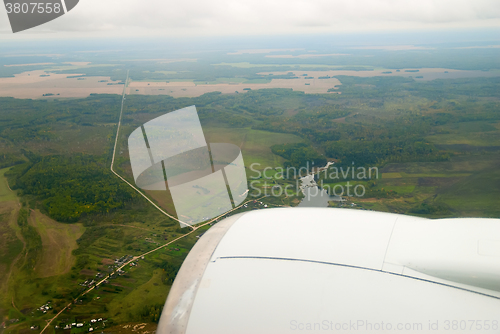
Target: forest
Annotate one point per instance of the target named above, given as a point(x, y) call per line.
point(70, 187)
point(299, 155)
point(435, 145)
point(360, 127)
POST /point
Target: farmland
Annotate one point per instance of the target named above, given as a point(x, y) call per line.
point(51, 83)
point(461, 187)
point(191, 89)
point(431, 127)
point(40, 84)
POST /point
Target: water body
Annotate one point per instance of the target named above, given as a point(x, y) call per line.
point(314, 196)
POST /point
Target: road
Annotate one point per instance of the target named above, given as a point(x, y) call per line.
point(135, 258)
point(193, 228)
point(113, 161)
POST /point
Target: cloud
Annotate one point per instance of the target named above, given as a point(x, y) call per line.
point(266, 17)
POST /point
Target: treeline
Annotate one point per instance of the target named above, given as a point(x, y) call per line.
point(331, 122)
point(10, 159)
point(299, 155)
point(321, 120)
point(378, 152)
point(70, 187)
point(253, 108)
point(373, 87)
point(442, 89)
point(151, 313)
point(170, 270)
point(431, 208)
point(41, 120)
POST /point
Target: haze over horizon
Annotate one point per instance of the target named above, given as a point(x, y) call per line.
point(132, 19)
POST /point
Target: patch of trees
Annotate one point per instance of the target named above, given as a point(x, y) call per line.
point(10, 159)
point(442, 89)
point(70, 187)
point(299, 155)
point(373, 87)
point(151, 313)
point(40, 120)
point(169, 270)
point(377, 152)
point(430, 208)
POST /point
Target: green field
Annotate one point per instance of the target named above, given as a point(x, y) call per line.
point(57, 270)
point(474, 196)
point(468, 138)
point(59, 241)
point(6, 194)
point(469, 190)
point(255, 144)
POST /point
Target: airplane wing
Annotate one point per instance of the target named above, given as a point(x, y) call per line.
point(321, 270)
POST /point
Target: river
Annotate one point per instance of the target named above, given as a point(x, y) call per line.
point(314, 196)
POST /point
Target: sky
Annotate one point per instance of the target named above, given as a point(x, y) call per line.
point(136, 18)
